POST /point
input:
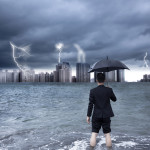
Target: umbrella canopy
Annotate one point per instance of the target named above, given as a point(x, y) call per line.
point(107, 65)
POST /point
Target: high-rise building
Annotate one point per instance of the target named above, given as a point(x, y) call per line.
point(120, 75)
point(110, 76)
point(9, 76)
point(21, 76)
point(65, 72)
point(56, 73)
point(15, 75)
point(52, 77)
point(36, 79)
point(82, 74)
point(42, 77)
point(47, 77)
point(55, 76)
point(30, 75)
point(2, 76)
point(61, 75)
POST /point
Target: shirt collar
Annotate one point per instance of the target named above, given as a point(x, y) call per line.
point(101, 85)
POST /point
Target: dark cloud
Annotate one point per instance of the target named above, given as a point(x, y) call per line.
point(146, 31)
point(119, 29)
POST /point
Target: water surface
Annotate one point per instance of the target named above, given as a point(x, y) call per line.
point(52, 116)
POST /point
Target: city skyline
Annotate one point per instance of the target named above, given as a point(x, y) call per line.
point(97, 28)
point(130, 76)
point(62, 73)
point(81, 57)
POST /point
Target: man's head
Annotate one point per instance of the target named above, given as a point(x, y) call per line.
point(100, 77)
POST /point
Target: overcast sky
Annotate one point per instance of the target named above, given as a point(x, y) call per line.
point(119, 29)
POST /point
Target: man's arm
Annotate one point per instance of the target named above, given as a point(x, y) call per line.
point(113, 97)
point(91, 102)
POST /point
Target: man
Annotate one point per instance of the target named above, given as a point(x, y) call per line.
point(99, 98)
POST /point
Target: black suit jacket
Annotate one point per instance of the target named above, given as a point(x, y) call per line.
point(99, 99)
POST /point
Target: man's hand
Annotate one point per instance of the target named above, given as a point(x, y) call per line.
point(88, 120)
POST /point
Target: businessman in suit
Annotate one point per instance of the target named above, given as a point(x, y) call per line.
point(99, 103)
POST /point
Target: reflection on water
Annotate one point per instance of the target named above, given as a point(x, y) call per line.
point(53, 116)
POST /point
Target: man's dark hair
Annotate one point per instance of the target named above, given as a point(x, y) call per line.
point(100, 77)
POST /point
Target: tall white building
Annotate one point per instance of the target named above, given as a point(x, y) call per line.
point(9, 76)
point(36, 79)
point(65, 73)
point(2, 76)
point(30, 75)
point(110, 76)
point(41, 77)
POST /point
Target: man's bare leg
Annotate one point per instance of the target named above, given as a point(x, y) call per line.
point(93, 139)
point(108, 140)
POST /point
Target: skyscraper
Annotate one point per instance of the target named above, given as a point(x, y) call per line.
point(21, 76)
point(120, 75)
point(2, 76)
point(41, 77)
point(110, 76)
point(65, 72)
point(9, 76)
point(47, 78)
point(82, 74)
point(56, 78)
point(52, 77)
point(30, 75)
point(56, 73)
point(15, 76)
point(36, 79)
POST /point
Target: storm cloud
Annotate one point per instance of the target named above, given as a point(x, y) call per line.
point(118, 29)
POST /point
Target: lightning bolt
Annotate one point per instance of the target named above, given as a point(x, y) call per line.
point(59, 47)
point(145, 60)
point(24, 49)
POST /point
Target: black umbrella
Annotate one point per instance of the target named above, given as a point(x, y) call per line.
point(107, 65)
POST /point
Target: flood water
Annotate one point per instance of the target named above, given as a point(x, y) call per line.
point(52, 116)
